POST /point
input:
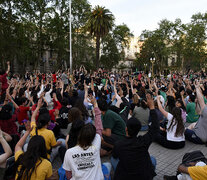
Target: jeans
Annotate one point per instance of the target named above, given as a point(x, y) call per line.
point(108, 167)
point(144, 128)
point(114, 162)
point(191, 136)
point(54, 152)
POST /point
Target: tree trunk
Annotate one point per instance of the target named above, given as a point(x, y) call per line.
point(97, 51)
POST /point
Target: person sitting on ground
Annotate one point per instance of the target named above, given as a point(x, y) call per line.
point(179, 104)
point(23, 110)
point(192, 116)
point(83, 161)
point(142, 113)
point(7, 119)
point(41, 127)
point(32, 164)
point(196, 132)
point(134, 161)
point(193, 167)
point(114, 126)
point(77, 122)
point(173, 137)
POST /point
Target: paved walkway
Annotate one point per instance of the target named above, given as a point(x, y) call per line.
point(167, 160)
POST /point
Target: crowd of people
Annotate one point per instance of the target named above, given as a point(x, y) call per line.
point(84, 116)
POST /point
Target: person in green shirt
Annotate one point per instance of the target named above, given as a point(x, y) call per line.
point(113, 125)
point(192, 116)
point(163, 94)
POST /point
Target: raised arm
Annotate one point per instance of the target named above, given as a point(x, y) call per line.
point(6, 147)
point(165, 113)
point(182, 97)
point(106, 85)
point(154, 127)
point(21, 142)
point(8, 69)
point(200, 96)
point(86, 91)
point(39, 105)
point(10, 98)
point(98, 122)
point(92, 84)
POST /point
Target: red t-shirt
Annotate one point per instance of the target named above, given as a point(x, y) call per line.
point(23, 113)
point(3, 80)
point(9, 126)
point(139, 76)
point(54, 78)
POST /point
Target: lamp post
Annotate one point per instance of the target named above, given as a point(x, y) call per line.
point(152, 60)
point(145, 66)
point(71, 62)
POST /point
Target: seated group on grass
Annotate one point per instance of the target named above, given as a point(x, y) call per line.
point(81, 117)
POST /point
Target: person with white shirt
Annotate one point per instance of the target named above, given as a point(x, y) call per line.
point(83, 161)
point(48, 90)
point(173, 136)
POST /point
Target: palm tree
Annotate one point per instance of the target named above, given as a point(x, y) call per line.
point(99, 23)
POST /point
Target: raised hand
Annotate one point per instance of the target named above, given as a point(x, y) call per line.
point(150, 101)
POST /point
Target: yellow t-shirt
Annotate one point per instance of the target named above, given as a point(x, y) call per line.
point(42, 172)
point(48, 135)
point(198, 172)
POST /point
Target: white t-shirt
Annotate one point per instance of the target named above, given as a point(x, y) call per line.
point(171, 132)
point(84, 164)
point(48, 96)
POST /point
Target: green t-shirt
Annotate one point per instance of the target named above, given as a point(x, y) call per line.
point(113, 121)
point(163, 94)
point(191, 111)
point(103, 81)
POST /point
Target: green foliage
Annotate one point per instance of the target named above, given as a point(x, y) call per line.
point(122, 35)
point(100, 22)
point(186, 42)
point(110, 54)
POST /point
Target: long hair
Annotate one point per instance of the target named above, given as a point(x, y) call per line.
point(5, 113)
point(74, 132)
point(26, 164)
point(79, 104)
point(182, 105)
point(74, 114)
point(170, 103)
point(177, 120)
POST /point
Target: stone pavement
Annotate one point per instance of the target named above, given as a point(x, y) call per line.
point(167, 159)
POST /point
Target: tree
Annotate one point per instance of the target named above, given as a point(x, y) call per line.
point(122, 35)
point(113, 46)
point(110, 53)
point(100, 22)
point(195, 45)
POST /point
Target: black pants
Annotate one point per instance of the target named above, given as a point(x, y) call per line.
point(62, 150)
point(161, 138)
point(110, 140)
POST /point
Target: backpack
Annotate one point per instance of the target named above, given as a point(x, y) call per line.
point(193, 157)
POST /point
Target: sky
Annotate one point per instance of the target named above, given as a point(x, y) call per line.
point(139, 15)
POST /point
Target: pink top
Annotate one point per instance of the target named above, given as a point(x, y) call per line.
point(98, 122)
